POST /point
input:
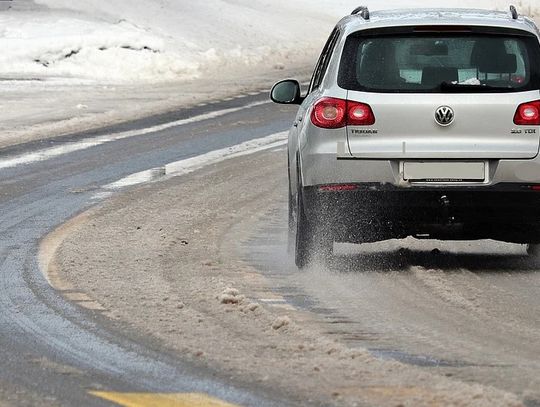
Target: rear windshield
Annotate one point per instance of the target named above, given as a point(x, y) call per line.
point(440, 62)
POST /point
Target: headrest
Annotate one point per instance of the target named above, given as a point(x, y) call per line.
point(378, 66)
point(489, 56)
point(503, 64)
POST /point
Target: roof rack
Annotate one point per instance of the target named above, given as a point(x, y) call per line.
point(514, 12)
point(363, 11)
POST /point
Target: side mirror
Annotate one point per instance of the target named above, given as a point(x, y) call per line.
point(286, 92)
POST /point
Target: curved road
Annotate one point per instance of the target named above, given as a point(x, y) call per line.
point(52, 352)
point(468, 310)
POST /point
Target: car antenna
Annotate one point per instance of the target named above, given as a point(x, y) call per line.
point(363, 11)
point(514, 12)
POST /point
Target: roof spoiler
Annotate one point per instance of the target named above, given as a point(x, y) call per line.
point(363, 11)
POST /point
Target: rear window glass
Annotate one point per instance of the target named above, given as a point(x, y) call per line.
point(439, 62)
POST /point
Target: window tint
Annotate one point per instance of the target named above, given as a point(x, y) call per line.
point(324, 59)
point(440, 62)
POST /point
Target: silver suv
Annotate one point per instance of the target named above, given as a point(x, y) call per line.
point(421, 123)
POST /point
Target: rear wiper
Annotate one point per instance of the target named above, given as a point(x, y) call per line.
point(461, 87)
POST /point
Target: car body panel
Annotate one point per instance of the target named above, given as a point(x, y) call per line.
point(406, 128)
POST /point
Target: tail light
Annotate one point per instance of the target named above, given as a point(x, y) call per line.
point(332, 113)
point(528, 114)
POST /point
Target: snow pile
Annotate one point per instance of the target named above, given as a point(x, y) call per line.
point(40, 45)
point(171, 40)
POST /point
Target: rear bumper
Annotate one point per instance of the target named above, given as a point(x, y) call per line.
point(325, 168)
point(373, 212)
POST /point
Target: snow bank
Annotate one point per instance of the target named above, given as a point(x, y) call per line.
point(57, 45)
point(171, 40)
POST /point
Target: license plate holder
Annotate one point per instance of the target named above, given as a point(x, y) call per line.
point(444, 172)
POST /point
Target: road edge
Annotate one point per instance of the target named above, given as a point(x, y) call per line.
point(47, 249)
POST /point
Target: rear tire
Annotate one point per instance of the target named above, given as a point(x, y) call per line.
point(291, 241)
point(303, 245)
point(312, 243)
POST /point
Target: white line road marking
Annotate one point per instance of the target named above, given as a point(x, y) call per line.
point(192, 164)
point(52, 152)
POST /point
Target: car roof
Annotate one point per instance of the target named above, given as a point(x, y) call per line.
point(426, 16)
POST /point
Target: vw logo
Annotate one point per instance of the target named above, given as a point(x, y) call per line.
point(445, 116)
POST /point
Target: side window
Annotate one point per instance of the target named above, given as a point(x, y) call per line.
point(324, 59)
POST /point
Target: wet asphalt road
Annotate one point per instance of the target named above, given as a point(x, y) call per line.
point(52, 352)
